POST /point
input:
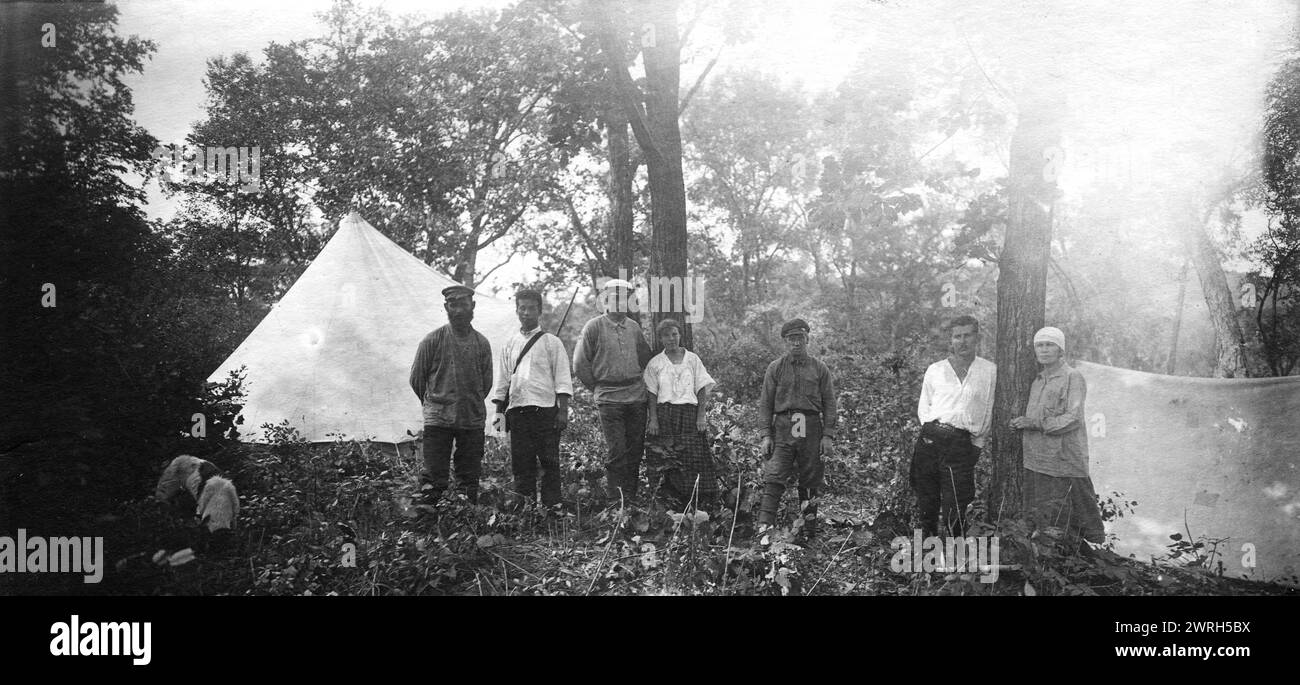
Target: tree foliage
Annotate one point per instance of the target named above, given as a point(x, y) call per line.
point(107, 338)
point(1277, 312)
point(440, 130)
point(746, 144)
point(890, 199)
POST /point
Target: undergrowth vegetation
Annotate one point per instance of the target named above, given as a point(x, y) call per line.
point(341, 519)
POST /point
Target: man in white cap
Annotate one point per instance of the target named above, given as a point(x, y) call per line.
point(609, 359)
point(956, 414)
point(1056, 488)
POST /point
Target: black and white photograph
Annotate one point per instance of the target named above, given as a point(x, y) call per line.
point(611, 298)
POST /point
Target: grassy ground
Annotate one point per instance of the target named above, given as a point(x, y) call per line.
point(339, 519)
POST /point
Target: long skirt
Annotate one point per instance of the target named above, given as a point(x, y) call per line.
point(1063, 502)
point(678, 455)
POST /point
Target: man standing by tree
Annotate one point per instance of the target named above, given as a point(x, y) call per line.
point(956, 413)
point(798, 414)
point(452, 376)
point(532, 400)
point(609, 359)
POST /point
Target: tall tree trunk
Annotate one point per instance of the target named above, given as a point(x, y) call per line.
point(668, 254)
point(745, 277)
point(653, 116)
point(1172, 364)
point(468, 262)
point(1229, 342)
point(1022, 282)
point(621, 236)
point(819, 268)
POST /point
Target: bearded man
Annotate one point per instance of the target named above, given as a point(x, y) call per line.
point(452, 376)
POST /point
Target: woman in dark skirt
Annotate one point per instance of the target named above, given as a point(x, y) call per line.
point(1057, 490)
point(677, 448)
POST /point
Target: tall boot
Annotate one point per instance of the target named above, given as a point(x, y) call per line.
point(772, 493)
point(808, 510)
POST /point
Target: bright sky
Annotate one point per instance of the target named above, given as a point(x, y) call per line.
point(1138, 79)
point(169, 95)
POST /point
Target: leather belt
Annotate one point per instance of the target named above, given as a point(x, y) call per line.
point(948, 429)
point(620, 384)
point(529, 409)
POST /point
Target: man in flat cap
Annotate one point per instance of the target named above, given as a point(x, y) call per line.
point(452, 376)
point(609, 359)
point(798, 414)
point(532, 401)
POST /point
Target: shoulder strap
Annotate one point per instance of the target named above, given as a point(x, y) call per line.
point(527, 346)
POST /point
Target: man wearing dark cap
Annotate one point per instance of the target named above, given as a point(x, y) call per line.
point(452, 376)
point(798, 414)
point(609, 358)
point(532, 401)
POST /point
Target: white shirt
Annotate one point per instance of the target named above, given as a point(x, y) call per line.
point(676, 383)
point(543, 373)
point(964, 403)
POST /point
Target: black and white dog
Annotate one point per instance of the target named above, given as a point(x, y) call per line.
point(191, 484)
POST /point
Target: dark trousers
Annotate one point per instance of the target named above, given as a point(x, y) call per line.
point(793, 456)
point(624, 429)
point(438, 442)
point(943, 477)
point(1062, 501)
point(534, 443)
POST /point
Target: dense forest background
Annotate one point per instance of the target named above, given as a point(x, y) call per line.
point(554, 142)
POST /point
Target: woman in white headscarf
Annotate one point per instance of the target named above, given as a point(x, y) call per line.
point(1056, 487)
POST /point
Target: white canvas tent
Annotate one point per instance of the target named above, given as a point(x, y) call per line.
point(333, 356)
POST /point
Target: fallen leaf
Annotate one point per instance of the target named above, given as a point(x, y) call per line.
point(783, 579)
point(1029, 590)
point(649, 559)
